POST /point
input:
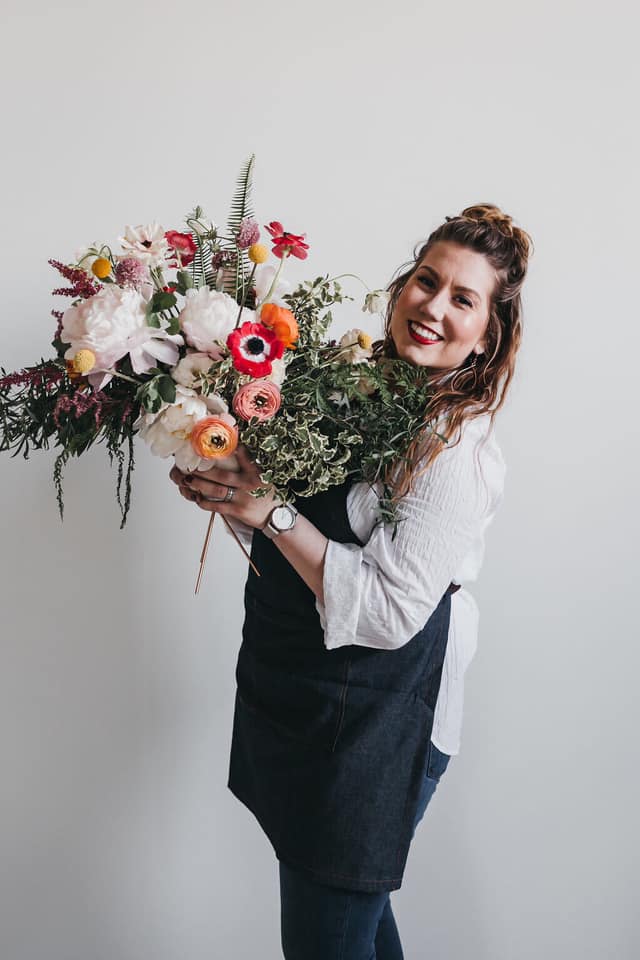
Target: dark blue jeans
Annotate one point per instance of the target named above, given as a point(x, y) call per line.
point(326, 923)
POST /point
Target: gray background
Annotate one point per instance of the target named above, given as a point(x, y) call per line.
point(371, 122)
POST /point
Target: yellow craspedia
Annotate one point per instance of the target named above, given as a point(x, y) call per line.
point(84, 361)
point(364, 340)
point(258, 253)
point(101, 268)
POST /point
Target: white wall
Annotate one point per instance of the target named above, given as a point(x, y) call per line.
point(371, 122)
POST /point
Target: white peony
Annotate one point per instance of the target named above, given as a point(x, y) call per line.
point(210, 315)
point(113, 323)
point(168, 431)
point(376, 301)
point(147, 243)
point(190, 365)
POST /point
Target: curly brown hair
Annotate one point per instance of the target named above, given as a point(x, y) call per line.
point(480, 384)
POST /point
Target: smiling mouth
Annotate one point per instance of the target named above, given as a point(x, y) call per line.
point(422, 333)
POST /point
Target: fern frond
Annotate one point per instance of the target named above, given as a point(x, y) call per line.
point(241, 207)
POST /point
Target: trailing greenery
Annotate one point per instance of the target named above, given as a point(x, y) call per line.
point(42, 406)
point(342, 414)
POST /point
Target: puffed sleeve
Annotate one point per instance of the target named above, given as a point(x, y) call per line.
point(381, 594)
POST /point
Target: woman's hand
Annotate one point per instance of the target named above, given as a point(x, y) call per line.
point(215, 482)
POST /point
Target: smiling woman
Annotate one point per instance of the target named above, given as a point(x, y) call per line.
point(431, 310)
point(464, 284)
point(356, 637)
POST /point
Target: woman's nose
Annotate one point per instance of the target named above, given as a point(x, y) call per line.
point(434, 306)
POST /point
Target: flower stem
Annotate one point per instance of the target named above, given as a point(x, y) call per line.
point(122, 376)
point(242, 303)
point(274, 281)
point(354, 275)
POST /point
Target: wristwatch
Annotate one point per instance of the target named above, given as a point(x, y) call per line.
point(282, 517)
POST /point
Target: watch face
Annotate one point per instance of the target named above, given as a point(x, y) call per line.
point(283, 518)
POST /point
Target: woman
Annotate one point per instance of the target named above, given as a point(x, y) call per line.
point(350, 672)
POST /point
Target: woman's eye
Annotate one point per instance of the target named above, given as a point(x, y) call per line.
point(429, 282)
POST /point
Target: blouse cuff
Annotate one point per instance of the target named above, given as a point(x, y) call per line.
point(340, 612)
point(243, 531)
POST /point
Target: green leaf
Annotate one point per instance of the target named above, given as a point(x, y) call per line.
point(153, 320)
point(269, 444)
point(153, 402)
point(185, 279)
point(167, 389)
point(161, 300)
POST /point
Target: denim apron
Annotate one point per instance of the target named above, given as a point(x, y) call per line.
point(329, 747)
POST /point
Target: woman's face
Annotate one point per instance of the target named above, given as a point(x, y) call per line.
point(442, 313)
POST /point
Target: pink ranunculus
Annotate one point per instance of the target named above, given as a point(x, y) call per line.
point(260, 398)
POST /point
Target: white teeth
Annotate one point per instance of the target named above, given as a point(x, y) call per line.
point(424, 331)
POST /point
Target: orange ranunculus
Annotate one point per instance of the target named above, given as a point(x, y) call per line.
point(214, 437)
point(281, 321)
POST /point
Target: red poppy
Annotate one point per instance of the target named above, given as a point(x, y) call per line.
point(285, 243)
point(253, 348)
point(184, 244)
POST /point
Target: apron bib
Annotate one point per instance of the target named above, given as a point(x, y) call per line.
point(329, 747)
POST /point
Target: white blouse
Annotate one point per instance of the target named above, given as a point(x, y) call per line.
point(380, 595)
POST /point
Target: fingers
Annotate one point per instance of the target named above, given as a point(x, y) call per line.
point(242, 480)
point(227, 477)
point(188, 494)
point(194, 496)
point(210, 488)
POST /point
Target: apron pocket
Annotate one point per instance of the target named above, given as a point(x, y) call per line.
point(295, 707)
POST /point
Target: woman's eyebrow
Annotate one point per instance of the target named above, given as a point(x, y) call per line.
point(469, 290)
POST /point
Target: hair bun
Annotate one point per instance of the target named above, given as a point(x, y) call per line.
point(497, 219)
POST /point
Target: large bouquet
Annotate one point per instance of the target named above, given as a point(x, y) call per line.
point(192, 340)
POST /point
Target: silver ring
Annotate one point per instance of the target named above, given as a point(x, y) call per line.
point(226, 499)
